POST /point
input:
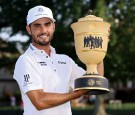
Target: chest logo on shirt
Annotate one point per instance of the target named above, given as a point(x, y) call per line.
point(60, 62)
point(43, 63)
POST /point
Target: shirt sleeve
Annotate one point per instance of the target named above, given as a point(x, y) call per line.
point(76, 72)
point(27, 74)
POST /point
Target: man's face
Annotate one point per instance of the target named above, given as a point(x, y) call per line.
point(41, 31)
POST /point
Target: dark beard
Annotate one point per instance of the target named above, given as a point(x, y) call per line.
point(41, 43)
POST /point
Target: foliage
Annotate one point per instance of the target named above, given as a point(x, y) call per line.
point(121, 52)
point(8, 54)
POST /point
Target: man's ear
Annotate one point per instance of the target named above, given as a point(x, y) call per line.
point(28, 29)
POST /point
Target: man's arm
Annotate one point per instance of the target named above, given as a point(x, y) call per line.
point(42, 100)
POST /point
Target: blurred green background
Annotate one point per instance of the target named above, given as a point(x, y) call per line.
point(119, 61)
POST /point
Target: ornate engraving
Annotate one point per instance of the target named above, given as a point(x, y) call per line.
point(98, 82)
point(93, 42)
point(91, 82)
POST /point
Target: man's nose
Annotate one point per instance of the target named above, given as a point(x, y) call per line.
point(44, 29)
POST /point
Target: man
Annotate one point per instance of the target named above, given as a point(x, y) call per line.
point(44, 77)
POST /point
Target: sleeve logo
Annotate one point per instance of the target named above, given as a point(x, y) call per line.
point(26, 80)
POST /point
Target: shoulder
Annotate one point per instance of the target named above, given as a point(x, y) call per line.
point(24, 58)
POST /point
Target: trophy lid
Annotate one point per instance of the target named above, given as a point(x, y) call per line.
point(90, 17)
point(90, 24)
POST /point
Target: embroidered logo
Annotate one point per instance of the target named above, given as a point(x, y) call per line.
point(60, 62)
point(26, 78)
point(40, 10)
point(42, 63)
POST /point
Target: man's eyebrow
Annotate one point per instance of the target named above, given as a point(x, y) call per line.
point(48, 23)
point(36, 24)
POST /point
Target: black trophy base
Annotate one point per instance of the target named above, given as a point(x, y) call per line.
point(97, 84)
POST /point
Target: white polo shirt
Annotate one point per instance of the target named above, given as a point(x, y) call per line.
point(55, 73)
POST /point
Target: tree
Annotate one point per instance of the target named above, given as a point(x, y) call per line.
point(121, 51)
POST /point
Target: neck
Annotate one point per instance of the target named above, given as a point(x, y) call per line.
point(45, 48)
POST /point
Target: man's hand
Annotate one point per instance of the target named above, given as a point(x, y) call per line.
point(82, 92)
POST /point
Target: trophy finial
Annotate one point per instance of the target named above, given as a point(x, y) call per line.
point(89, 12)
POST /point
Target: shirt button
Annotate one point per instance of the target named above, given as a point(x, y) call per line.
point(41, 51)
point(52, 62)
point(46, 56)
point(55, 70)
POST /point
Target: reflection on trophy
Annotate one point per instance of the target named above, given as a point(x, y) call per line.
point(91, 35)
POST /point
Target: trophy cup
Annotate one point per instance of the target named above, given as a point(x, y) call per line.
point(91, 36)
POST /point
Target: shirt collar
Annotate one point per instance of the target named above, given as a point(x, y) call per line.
point(34, 49)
